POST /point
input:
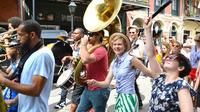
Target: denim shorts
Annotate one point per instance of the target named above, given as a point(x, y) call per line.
point(76, 94)
point(96, 99)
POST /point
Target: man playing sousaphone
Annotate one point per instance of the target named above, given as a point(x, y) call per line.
point(96, 64)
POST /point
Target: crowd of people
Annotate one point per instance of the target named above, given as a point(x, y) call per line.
point(174, 68)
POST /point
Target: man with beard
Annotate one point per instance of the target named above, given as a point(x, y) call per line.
point(35, 70)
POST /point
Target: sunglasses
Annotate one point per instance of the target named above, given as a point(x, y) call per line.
point(132, 32)
point(175, 46)
point(171, 58)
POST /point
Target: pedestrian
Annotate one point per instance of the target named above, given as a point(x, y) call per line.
point(35, 70)
point(170, 92)
point(124, 69)
point(137, 49)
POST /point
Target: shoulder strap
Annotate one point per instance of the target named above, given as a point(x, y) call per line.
point(18, 70)
point(80, 65)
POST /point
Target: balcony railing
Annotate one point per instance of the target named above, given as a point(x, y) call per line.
point(137, 2)
point(192, 9)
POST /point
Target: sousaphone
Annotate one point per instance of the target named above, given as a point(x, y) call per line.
point(100, 15)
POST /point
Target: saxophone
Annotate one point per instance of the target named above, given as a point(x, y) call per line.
point(3, 107)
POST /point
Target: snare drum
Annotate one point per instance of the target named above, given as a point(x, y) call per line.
point(65, 80)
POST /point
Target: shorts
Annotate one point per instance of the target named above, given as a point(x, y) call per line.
point(76, 94)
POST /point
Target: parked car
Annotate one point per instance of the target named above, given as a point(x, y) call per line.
point(51, 36)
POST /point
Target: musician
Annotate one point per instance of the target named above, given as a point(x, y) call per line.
point(137, 49)
point(12, 54)
point(13, 23)
point(77, 34)
point(13, 57)
point(96, 68)
point(35, 70)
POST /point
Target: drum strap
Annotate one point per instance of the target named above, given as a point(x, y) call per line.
point(18, 70)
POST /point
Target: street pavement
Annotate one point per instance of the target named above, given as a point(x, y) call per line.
point(144, 84)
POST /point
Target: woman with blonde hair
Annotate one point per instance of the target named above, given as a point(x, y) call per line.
point(123, 68)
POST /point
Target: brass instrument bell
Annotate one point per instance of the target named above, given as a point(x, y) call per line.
point(100, 13)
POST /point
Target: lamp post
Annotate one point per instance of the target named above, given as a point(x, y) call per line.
point(72, 8)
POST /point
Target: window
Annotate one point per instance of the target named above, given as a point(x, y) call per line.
point(173, 31)
point(186, 35)
point(158, 2)
point(175, 7)
point(174, 4)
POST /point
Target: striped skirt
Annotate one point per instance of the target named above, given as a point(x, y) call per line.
point(127, 103)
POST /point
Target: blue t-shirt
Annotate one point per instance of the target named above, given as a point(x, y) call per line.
point(124, 74)
point(40, 63)
point(10, 93)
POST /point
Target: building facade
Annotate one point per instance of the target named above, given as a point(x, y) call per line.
point(54, 14)
point(191, 18)
point(180, 20)
point(170, 20)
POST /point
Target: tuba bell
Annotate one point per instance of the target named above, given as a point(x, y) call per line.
point(101, 15)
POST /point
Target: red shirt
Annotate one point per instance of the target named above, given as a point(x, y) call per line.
point(98, 70)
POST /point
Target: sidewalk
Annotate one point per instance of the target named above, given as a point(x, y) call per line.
point(143, 83)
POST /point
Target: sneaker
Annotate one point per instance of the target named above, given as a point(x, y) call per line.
point(60, 105)
point(140, 105)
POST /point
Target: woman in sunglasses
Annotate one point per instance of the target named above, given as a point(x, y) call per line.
point(170, 93)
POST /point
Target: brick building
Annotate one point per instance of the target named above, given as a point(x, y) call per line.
point(179, 20)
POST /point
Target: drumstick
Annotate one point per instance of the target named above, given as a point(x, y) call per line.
point(61, 68)
point(161, 8)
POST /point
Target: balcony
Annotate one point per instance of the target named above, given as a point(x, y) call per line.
point(192, 10)
point(134, 4)
point(126, 6)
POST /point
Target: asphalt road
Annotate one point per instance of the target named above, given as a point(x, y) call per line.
point(144, 86)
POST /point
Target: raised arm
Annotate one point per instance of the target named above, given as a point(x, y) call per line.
point(136, 63)
point(154, 65)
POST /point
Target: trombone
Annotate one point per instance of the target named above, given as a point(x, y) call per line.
point(8, 35)
point(8, 32)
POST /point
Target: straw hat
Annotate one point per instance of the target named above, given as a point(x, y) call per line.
point(128, 43)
